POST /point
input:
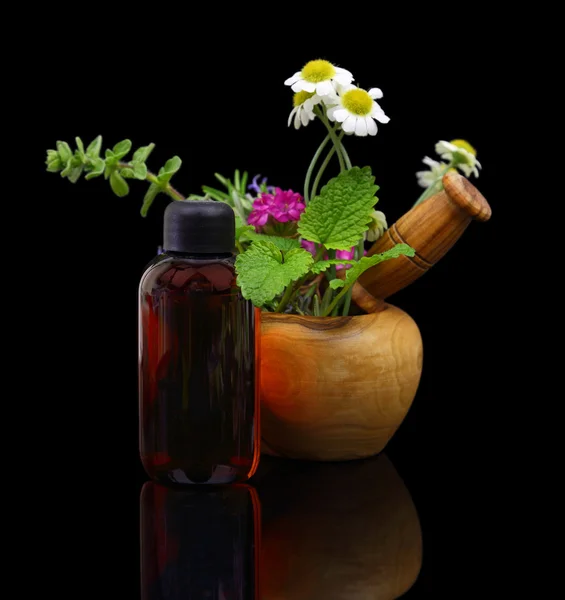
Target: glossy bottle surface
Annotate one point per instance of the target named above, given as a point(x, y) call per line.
point(199, 417)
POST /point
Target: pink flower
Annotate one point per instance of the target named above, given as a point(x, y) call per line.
point(346, 255)
point(258, 218)
point(287, 206)
point(310, 246)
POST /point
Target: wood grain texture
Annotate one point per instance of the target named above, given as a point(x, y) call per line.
point(351, 533)
point(336, 388)
point(431, 228)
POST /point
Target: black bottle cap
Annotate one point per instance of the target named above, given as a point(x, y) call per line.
point(199, 226)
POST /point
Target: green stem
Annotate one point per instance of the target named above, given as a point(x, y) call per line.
point(321, 171)
point(152, 178)
point(336, 141)
point(239, 246)
point(344, 152)
point(434, 188)
point(286, 298)
point(298, 284)
point(311, 168)
point(337, 300)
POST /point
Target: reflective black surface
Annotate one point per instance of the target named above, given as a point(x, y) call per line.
point(301, 531)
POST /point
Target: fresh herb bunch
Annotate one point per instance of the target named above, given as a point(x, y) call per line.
point(297, 253)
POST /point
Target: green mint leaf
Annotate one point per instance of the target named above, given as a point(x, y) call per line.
point(118, 184)
point(97, 168)
point(370, 261)
point(336, 283)
point(282, 243)
point(340, 215)
point(93, 150)
point(142, 154)
point(150, 196)
point(64, 150)
point(170, 168)
point(323, 265)
point(122, 148)
point(243, 187)
point(263, 274)
point(127, 173)
point(139, 170)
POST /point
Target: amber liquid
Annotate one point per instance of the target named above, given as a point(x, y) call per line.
point(199, 418)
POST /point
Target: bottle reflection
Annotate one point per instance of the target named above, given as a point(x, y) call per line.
point(199, 544)
point(347, 531)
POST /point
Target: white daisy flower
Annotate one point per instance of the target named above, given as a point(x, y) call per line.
point(303, 111)
point(461, 154)
point(377, 226)
point(436, 172)
point(357, 110)
point(320, 77)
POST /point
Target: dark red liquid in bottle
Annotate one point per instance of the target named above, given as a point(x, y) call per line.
point(199, 411)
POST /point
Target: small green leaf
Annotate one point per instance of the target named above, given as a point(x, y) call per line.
point(109, 154)
point(122, 148)
point(80, 145)
point(64, 150)
point(127, 173)
point(217, 194)
point(150, 196)
point(139, 170)
point(236, 180)
point(222, 180)
point(241, 228)
point(370, 261)
point(53, 162)
point(336, 283)
point(243, 187)
point(170, 168)
point(118, 184)
point(75, 173)
point(93, 150)
point(263, 273)
point(340, 215)
point(142, 154)
point(326, 299)
point(323, 265)
point(96, 169)
point(282, 243)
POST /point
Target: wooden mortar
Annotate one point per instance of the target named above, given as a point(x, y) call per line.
point(431, 228)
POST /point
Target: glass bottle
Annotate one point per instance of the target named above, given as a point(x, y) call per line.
point(198, 354)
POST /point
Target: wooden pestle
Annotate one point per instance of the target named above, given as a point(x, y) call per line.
point(431, 228)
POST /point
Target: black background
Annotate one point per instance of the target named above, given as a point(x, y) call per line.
point(227, 111)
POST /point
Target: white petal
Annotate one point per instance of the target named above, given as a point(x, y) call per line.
point(375, 93)
point(444, 147)
point(297, 120)
point(349, 124)
point(292, 114)
point(379, 114)
point(324, 88)
point(346, 87)
point(371, 126)
point(478, 164)
point(293, 79)
point(305, 86)
point(361, 127)
point(430, 162)
point(331, 112)
point(476, 172)
point(341, 71)
point(304, 117)
point(343, 78)
point(340, 114)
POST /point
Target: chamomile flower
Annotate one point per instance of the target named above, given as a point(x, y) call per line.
point(436, 172)
point(320, 77)
point(357, 110)
point(461, 154)
point(377, 226)
point(303, 111)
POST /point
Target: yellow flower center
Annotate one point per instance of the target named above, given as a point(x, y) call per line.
point(301, 97)
point(465, 145)
point(357, 102)
point(318, 70)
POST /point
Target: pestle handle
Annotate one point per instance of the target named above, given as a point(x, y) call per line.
point(431, 228)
